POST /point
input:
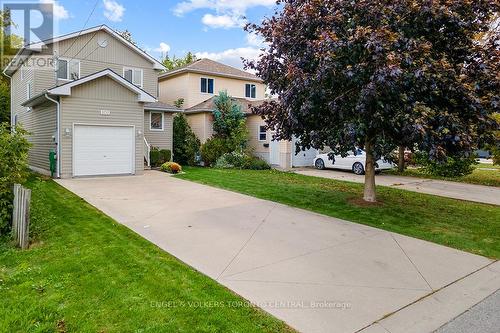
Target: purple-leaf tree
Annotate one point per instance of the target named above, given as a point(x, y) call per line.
point(378, 74)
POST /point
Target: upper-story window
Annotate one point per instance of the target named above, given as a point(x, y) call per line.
point(133, 75)
point(68, 69)
point(250, 90)
point(207, 85)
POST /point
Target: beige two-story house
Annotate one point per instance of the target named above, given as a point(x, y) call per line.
point(91, 98)
point(198, 83)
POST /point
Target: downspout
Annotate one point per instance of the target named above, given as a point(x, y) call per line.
point(58, 134)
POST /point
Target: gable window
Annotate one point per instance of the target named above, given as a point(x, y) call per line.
point(68, 69)
point(250, 90)
point(262, 133)
point(207, 85)
point(133, 75)
point(156, 121)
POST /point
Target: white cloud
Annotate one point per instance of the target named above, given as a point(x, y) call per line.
point(254, 40)
point(222, 21)
point(231, 57)
point(113, 11)
point(239, 6)
point(164, 48)
point(58, 10)
point(229, 13)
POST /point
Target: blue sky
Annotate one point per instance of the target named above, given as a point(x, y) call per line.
point(209, 28)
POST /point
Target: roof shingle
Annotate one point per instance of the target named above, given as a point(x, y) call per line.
point(207, 66)
point(208, 105)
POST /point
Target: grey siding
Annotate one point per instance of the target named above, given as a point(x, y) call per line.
point(83, 107)
point(40, 122)
point(161, 139)
point(114, 56)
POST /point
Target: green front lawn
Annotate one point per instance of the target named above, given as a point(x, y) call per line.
point(483, 174)
point(86, 273)
point(463, 225)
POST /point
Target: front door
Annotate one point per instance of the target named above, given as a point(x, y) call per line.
point(274, 152)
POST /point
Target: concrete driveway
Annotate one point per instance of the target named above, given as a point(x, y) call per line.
point(318, 274)
point(455, 190)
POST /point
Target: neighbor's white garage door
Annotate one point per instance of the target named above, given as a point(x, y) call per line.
point(103, 150)
point(304, 158)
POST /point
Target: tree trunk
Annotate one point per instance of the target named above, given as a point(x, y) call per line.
point(401, 159)
point(369, 193)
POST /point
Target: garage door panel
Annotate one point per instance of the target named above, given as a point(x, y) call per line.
point(103, 150)
point(303, 158)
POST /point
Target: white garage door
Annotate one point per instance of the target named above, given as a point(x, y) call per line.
point(304, 158)
point(103, 150)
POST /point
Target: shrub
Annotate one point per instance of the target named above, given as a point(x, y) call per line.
point(186, 144)
point(165, 156)
point(159, 156)
point(14, 149)
point(258, 164)
point(171, 167)
point(154, 156)
point(451, 167)
point(214, 148)
point(240, 160)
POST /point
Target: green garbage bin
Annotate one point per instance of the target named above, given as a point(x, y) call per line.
point(52, 162)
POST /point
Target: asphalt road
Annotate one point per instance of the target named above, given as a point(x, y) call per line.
point(481, 318)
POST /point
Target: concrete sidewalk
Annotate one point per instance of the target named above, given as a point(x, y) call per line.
point(455, 190)
point(317, 273)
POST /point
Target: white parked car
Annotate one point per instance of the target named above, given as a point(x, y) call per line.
point(356, 163)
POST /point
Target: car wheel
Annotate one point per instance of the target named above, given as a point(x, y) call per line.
point(319, 164)
point(358, 168)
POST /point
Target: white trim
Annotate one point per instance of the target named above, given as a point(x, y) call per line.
point(162, 122)
point(134, 145)
point(213, 85)
point(37, 47)
point(65, 89)
point(259, 133)
point(127, 68)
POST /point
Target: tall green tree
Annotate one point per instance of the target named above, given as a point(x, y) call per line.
point(10, 43)
point(174, 62)
point(14, 148)
point(186, 145)
point(370, 73)
point(229, 121)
